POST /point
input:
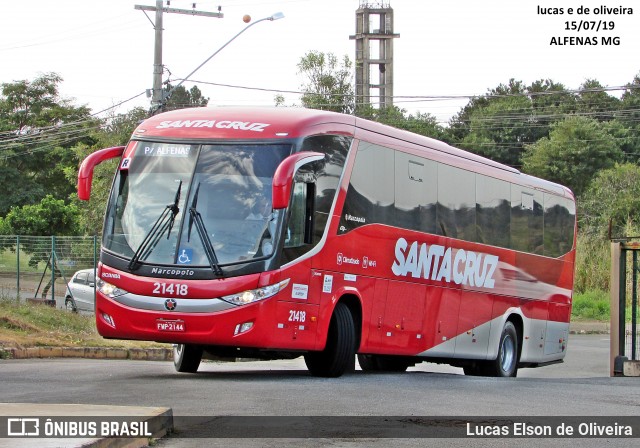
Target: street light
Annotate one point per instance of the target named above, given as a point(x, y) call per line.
point(276, 16)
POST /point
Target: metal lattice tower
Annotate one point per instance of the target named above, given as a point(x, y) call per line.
point(374, 53)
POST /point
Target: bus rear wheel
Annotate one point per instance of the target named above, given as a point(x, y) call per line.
point(338, 355)
point(506, 364)
point(187, 357)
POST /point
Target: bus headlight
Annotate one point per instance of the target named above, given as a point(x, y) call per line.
point(255, 295)
point(110, 290)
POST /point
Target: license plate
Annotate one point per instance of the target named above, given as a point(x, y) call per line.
point(170, 325)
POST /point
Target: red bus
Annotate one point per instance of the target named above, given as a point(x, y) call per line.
point(275, 233)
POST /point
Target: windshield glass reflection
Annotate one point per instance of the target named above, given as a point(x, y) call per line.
point(234, 201)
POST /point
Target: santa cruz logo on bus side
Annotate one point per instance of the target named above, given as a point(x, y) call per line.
point(440, 263)
point(220, 124)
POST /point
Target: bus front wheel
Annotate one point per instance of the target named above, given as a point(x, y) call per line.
point(187, 357)
point(338, 355)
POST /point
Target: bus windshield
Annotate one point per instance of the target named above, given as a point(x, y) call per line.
point(222, 192)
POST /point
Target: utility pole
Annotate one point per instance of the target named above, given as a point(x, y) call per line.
point(157, 94)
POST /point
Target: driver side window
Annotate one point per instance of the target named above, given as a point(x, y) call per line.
point(296, 228)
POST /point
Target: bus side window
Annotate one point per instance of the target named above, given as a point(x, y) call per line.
point(559, 214)
point(526, 220)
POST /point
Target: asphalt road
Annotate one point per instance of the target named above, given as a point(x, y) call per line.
point(579, 387)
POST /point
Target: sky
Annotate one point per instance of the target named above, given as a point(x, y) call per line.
point(447, 48)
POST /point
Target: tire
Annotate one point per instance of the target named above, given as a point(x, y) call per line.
point(506, 364)
point(187, 357)
point(382, 363)
point(338, 356)
point(70, 305)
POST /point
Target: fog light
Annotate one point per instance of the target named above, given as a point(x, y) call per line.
point(108, 320)
point(242, 328)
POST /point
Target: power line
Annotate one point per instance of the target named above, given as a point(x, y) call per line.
point(432, 97)
point(119, 104)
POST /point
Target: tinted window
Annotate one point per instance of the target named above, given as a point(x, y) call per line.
point(416, 189)
point(423, 195)
point(526, 220)
point(559, 216)
point(493, 211)
point(456, 211)
point(370, 197)
point(327, 175)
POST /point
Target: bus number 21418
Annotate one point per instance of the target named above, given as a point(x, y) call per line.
point(178, 289)
point(297, 316)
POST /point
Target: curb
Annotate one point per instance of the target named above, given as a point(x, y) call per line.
point(577, 327)
point(137, 354)
point(589, 332)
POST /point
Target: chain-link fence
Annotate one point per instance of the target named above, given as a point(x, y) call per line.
point(40, 266)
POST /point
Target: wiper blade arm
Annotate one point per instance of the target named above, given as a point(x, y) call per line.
point(194, 204)
point(174, 209)
point(164, 223)
point(196, 217)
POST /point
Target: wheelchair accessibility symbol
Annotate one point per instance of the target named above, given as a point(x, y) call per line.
point(186, 256)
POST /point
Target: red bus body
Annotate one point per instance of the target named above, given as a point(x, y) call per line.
point(414, 294)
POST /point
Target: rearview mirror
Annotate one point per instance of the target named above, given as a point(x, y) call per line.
point(85, 173)
point(283, 177)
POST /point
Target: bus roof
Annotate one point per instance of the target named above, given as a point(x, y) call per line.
point(238, 123)
point(247, 123)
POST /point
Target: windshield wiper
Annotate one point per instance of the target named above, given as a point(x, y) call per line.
point(195, 216)
point(163, 224)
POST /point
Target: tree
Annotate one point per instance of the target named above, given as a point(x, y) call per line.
point(629, 115)
point(37, 128)
point(499, 130)
point(28, 106)
point(576, 149)
point(182, 98)
point(420, 123)
point(510, 116)
point(614, 194)
point(328, 82)
point(49, 217)
point(117, 128)
point(594, 100)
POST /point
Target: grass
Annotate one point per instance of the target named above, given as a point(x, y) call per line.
point(595, 305)
point(25, 325)
point(591, 305)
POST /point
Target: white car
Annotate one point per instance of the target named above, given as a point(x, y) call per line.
point(80, 294)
